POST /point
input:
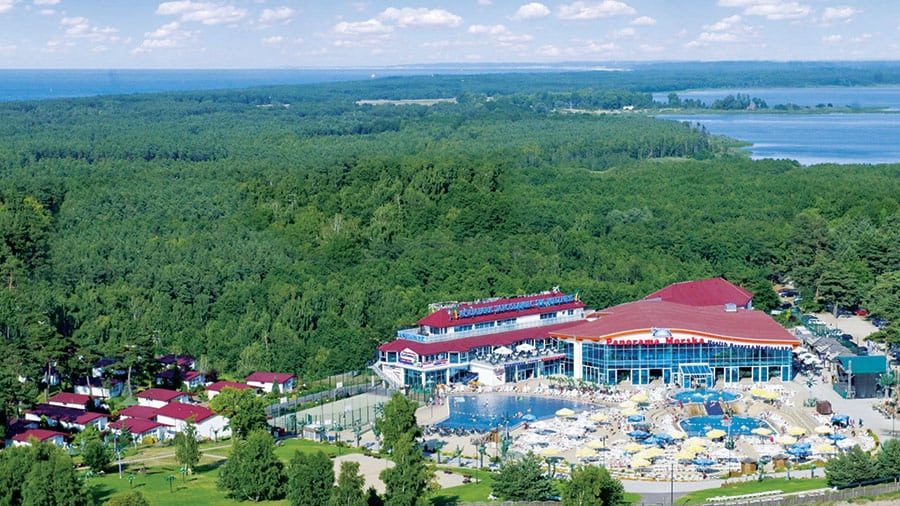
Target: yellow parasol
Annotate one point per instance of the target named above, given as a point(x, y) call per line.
point(598, 417)
point(585, 452)
point(633, 447)
point(550, 452)
point(762, 431)
point(696, 441)
point(785, 440)
point(677, 434)
point(824, 429)
point(796, 431)
point(715, 434)
point(627, 404)
point(825, 448)
point(596, 444)
point(694, 449)
point(687, 454)
point(650, 453)
point(640, 397)
point(638, 463)
point(629, 412)
point(565, 413)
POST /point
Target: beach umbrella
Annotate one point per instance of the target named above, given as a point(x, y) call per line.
point(704, 461)
point(715, 434)
point(637, 463)
point(598, 417)
point(585, 452)
point(638, 434)
point(677, 434)
point(802, 444)
point(564, 412)
point(824, 429)
point(761, 431)
point(629, 412)
point(640, 397)
point(651, 453)
point(836, 436)
point(627, 404)
point(798, 452)
point(846, 443)
point(825, 448)
point(596, 444)
point(525, 347)
point(633, 447)
point(796, 431)
point(785, 440)
point(694, 449)
point(550, 451)
point(696, 441)
point(635, 418)
point(685, 454)
point(503, 350)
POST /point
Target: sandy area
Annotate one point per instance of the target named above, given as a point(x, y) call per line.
point(858, 327)
point(370, 468)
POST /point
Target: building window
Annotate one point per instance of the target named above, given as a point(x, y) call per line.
point(548, 316)
point(462, 328)
point(484, 325)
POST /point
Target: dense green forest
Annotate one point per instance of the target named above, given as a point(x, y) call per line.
point(290, 229)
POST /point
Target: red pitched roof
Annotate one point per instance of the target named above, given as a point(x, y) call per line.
point(69, 398)
point(467, 343)
point(39, 434)
point(180, 411)
point(137, 411)
point(63, 413)
point(704, 292)
point(219, 385)
point(742, 326)
point(135, 425)
point(269, 377)
point(159, 394)
point(188, 376)
point(500, 309)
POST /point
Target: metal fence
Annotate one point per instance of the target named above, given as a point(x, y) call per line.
point(819, 496)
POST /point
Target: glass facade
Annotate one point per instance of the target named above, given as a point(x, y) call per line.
point(641, 364)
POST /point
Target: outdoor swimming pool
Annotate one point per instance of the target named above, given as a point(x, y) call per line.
point(702, 396)
point(487, 411)
point(740, 425)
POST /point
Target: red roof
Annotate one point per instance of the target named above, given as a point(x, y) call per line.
point(138, 411)
point(743, 326)
point(501, 309)
point(39, 434)
point(159, 394)
point(219, 385)
point(467, 343)
point(180, 411)
point(135, 425)
point(69, 398)
point(269, 377)
point(188, 376)
point(704, 292)
point(63, 413)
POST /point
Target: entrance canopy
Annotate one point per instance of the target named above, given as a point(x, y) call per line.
point(694, 369)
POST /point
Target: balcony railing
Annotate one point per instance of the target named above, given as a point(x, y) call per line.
point(413, 334)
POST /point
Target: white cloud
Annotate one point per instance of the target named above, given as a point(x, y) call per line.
point(647, 48)
point(723, 24)
point(775, 10)
point(549, 51)
point(168, 36)
point(717, 37)
point(372, 26)
point(273, 41)
point(600, 47)
point(208, 13)
point(594, 10)
point(277, 14)
point(46, 12)
point(410, 16)
point(7, 5)
point(838, 13)
point(46, 2)
point(485, 29)
point(644, 21)
point(80, 28)
point(484, 2)
point(534, 10)
point(624, 33)
point(832, 39)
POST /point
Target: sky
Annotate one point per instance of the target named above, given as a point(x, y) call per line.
point(336, 33)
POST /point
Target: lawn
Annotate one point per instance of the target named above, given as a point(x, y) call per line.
point(752, 487)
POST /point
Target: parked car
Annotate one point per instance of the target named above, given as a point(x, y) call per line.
point(862, 312)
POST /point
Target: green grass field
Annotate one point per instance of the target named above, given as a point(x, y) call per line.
point(752, 487)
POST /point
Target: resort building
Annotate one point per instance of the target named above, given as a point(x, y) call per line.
point(692, 334)
point(493, 341)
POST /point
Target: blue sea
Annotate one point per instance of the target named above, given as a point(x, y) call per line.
point(865, 138)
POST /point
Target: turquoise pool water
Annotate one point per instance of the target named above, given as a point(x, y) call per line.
point(487, 411)
point(740, 425)
point(703, 396)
